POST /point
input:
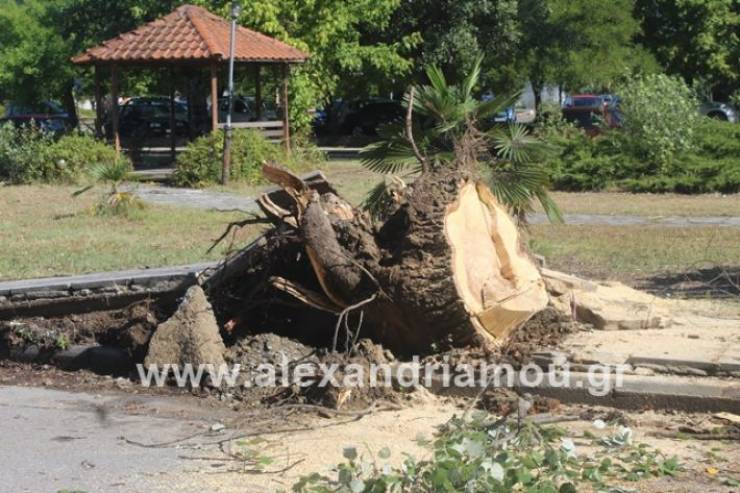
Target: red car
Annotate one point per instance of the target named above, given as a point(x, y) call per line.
point(586, 110)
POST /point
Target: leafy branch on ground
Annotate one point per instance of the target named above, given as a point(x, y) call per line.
point(479, 455)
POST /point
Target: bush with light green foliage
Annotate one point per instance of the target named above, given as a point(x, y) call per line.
point(660, 118)
point(29, 155)
point(201, 162)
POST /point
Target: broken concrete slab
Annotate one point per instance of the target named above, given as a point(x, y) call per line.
point(615, 306)
point(610, 306)
point(190, 336)
point(714, 349)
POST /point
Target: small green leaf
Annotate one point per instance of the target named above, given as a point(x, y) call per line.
point(567, 488)
point(357, 486)
point(349, 453)
point(384, 453)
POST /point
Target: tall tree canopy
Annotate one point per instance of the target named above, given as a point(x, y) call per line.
point(32, 54)
point(696, 39)
point(579, 44)
point(351, 56)
point(456, 33)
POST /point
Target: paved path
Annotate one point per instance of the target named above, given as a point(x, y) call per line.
point(55, 440)
point(199, 199)
point(224, 201)
point(624, 220)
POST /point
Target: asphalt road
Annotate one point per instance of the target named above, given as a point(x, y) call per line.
point(61, 441)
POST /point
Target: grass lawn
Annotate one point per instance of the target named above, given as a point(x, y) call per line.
point(45, 232)
point(647, 204)
point(634, 253)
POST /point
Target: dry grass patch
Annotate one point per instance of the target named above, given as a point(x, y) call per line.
point(45, 232)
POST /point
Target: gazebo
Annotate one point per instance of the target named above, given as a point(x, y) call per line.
point(190, 38)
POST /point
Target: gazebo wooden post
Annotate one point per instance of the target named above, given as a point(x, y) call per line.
point(286, 112)
point(214, 97)
point(189, 99)
point(98, 103)
point(114, 108)
point(258, 90)
point(173, 120)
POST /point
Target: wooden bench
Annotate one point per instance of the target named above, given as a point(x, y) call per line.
point(272, 130)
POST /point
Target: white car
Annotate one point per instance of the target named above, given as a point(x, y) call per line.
point(719, 111)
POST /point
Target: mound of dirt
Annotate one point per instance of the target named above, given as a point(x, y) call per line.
point(257, 354)
point(129, 329)
point(545, 330)
point(268, 348)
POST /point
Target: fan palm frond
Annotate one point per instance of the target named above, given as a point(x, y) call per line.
point(514, 143)
point(444, 115)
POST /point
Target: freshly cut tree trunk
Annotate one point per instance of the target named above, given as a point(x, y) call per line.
point(446, 268)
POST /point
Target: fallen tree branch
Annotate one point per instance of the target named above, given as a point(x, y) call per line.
point(238, 224)
point(307, 296)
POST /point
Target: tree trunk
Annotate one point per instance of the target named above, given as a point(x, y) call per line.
point(537, 90)
point(445, 269)
point(68, 102)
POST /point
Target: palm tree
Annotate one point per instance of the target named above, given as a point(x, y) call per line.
point(445, 133)
point(114, 201)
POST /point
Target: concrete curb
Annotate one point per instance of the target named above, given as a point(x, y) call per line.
point(99, 280)
point(693, 394)
point(59, 296)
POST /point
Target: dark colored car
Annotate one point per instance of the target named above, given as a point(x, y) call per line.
point(48, 115)
point(367, 116)
point(507, 115)
point(588, 110)
point(150, 117)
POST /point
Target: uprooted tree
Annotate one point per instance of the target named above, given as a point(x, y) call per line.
point(444, 265)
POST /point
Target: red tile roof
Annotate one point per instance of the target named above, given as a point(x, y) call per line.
point(189, 34)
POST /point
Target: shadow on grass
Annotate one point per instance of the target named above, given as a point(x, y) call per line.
point(707, 282)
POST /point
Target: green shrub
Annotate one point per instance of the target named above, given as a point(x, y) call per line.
point(584, 163)
point(200, 163)
point(76, 154)
point(718, 139)
point(23, 153)
point(28, 155)
point(660, 118)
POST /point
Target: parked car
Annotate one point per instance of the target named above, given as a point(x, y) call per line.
point(719, 111)
point(525, 115)
point(587, 110)
point(507, 115)
point(150, 117)
point(245, 109)
point(365, 117)
point(48, 115)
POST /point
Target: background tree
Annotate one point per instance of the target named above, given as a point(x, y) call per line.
point(456, 33)
point(350, 55)
point(596, 43)
point(32, 54)
point(696, 39)
point(579, 44)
